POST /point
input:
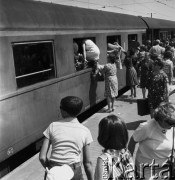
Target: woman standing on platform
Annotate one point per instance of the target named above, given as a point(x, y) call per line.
point(155, 138)
point(111, 80)
point(131, 74)
point(145, 65)
point(158, 88)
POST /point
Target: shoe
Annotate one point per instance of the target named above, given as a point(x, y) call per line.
point(113, 109)
point(108, 110)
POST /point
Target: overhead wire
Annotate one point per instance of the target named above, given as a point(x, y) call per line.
point(126, 9)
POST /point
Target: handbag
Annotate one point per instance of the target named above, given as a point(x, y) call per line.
point(97, 76)
point(143, 107)
point(64, 172)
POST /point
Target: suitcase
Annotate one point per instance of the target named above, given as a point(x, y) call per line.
point(143, 107)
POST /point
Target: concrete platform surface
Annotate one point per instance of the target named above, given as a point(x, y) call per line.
point(125, 107)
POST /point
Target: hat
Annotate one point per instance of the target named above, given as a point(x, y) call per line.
point(64, 172)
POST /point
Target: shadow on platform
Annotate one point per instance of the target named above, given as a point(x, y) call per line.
point(126, 98)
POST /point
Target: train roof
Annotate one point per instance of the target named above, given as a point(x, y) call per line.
point(37, 15)
point(154, 23)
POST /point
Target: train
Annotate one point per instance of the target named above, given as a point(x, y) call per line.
point(37, 63)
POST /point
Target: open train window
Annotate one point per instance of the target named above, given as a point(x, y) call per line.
point(113, 39)
point(79, 61)
point(34, 62)
point(132, 41)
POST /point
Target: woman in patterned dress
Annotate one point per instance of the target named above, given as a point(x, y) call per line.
point(131, 74)
point(157, 85)
point(146, 67)
point(111, 80)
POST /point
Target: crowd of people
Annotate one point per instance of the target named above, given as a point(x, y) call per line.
point(151, 69)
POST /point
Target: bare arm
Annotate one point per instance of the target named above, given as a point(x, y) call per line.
point(131, 145)
point(44, 151)
point(87, 162)
point(84, 50)
point(99, 169)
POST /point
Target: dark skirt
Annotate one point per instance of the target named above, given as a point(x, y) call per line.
point(131, 76)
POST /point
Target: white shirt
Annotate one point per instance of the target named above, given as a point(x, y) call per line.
point(153, 143)
point(67, 137)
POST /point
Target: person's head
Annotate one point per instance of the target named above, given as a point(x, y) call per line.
point(168, 55)
point(164, 114)
point(72, 105)
point(112, 56)
point(158, 64)
point(157, 41)
point(147, 56)
point(130, 52)
point(112, 133)
point(148, 42)
point(142, 48)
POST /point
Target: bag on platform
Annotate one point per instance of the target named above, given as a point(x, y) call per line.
point(64, 172)
point(143, 107)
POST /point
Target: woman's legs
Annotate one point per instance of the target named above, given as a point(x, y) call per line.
point(132, 91)
point(109, 103)
point(144, 92)
point(112, 103)
point(134, 87)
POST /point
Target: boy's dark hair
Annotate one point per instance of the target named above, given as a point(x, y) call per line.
point(112, 133)
point(72, 105)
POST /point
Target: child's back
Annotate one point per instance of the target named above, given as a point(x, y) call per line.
point(68, 139)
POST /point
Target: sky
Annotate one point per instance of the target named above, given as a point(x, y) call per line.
point(161, 9)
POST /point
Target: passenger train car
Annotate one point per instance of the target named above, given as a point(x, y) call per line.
point(38, 65)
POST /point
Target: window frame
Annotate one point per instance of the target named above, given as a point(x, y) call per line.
point(25, 75)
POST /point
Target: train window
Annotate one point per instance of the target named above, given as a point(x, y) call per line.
point(79, 61)
point(34, 62)
point(132, 41)
point(163, 35)
point(113, 39)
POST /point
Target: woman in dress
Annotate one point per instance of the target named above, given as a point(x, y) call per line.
point(145, 65)
point(111, 80)
point(131, 74)
point(158, 89)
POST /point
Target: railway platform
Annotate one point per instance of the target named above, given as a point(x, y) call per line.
point(125, 107)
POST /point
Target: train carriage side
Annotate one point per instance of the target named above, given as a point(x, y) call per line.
point(37, 63)
point(159, 29)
